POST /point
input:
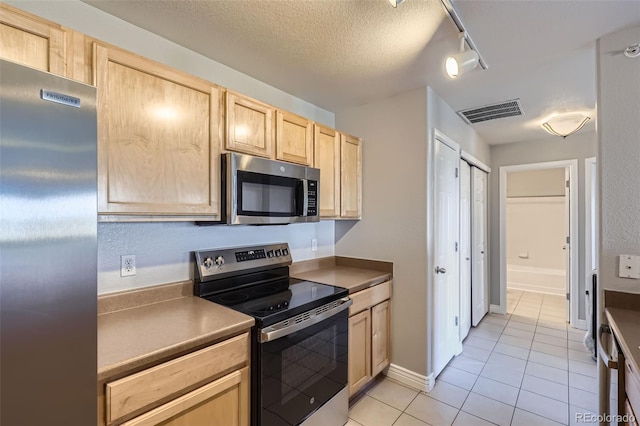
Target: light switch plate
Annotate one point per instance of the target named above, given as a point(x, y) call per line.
point(629, 266)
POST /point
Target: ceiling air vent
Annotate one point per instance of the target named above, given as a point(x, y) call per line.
point(492, 112)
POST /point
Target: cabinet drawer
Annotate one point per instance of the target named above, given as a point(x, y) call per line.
point(227, 397)
point(372, 296)
point(151, 386)
point(632, 386)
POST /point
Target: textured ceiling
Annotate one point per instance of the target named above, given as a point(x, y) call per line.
point(341, 53)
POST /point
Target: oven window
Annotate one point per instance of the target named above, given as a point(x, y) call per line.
point(303, 370)
point(266, 195)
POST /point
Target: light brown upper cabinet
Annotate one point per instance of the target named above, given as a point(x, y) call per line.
point(249, 126)
point(159, 133)
point(294, 138)
point(32, 41)
point(350, 177)
point(327, 159)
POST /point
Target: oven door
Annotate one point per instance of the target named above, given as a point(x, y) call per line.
point(299, 372)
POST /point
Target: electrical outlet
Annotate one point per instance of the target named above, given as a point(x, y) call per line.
point(314, 245)
point(127, 265)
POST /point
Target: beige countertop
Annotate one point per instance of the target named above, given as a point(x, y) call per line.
point(624, 323)
point(352, 274)
point(139, 336)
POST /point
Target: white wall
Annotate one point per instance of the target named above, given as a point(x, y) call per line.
point(618, 156)
point(549, 148)
point(535, 227)
point(536, 183)
point(444, 118)
point(393, 224)
point(535, 238)
point(163, 249)
point(396, 134)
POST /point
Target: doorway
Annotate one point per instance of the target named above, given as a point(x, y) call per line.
point(547, 237)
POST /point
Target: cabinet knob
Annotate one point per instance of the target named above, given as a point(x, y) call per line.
point(440, 270)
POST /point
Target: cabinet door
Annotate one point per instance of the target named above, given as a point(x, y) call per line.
point(224, 402)
point(380, 337)
point(359, 351)
point(351, 177)
point(249, 126)
point(158, 138)
point(31, 41)
point(327, 158)
point(294, 138)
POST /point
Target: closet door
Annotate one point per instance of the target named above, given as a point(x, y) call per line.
point(479, 221)
point(465, 249)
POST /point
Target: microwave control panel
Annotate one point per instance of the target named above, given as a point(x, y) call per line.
point(312, 200)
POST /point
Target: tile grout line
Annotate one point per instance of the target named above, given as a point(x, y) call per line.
point(518, 303)
point(515, 406)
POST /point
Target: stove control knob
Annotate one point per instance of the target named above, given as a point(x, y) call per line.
point(208, 263)
point(219, 261)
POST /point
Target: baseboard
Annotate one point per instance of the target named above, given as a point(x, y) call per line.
point(496, 309)
point(580, 324)
point(411, 379)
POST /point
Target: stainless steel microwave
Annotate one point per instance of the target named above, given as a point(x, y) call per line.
point(260, 191)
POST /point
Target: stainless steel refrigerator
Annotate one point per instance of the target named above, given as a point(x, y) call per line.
point(48, 249)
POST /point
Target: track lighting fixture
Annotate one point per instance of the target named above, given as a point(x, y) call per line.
point(461, 62)
point(564, 125)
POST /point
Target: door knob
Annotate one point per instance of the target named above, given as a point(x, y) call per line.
point(440, 270)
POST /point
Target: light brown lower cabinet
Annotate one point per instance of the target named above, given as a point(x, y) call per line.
point(380, 337)
point(359, 351)
point(224, 402)
point(208, 387)
point(369, 335)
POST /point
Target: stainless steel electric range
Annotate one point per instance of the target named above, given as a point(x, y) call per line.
point(300, 340)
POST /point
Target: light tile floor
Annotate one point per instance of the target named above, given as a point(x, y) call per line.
point(524, 368)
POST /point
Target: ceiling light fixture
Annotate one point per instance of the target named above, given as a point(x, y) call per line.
point(395, 3)
point(462, 62)
point(633, 51)
point(564, 125)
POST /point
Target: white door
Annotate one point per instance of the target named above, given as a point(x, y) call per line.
point(479, 281)
point(465, 249)
point(446, 337)
point(567, 233)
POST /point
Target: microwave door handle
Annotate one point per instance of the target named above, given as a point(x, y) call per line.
point(305, 197)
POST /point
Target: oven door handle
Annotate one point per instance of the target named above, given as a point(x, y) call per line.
point(608, 360)
point(284, 328)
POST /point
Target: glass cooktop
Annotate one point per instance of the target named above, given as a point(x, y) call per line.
point(278, 300)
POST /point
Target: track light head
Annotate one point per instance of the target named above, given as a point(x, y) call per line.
point(395, 3)
point(461, 62)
